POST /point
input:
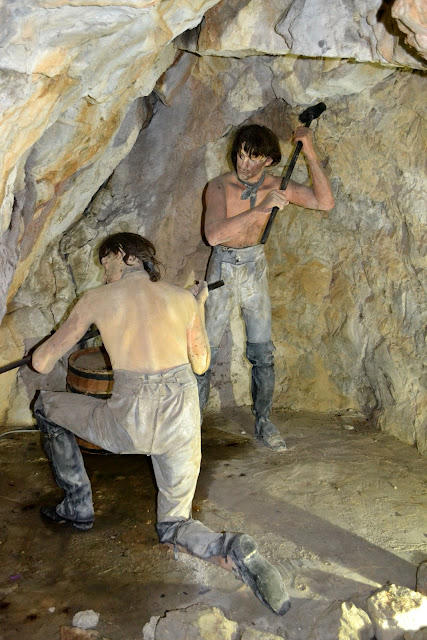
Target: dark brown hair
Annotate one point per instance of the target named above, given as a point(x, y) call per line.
point(132, 245)
point(256, 140)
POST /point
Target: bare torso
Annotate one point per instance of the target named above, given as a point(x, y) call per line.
point(231, 221)
point(145, 326)
point(233, 190)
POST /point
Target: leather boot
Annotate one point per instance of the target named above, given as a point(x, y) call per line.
point(249, 565)
point(259, 574)
point(68, 468)
point(260, 355)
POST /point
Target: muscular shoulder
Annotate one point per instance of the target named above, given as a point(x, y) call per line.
point(272, 182)
point(218, 185)
point(221, 180)
point(181, 302)
point(93, 296)
point(90, 297)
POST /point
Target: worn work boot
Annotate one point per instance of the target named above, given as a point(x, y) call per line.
point(67, 464)
point(259, 574)
point(260, 355)
point(51, 514)
point(267, 434)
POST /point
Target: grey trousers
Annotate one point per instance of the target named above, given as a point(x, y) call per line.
point(245, 275)
point(156, 415)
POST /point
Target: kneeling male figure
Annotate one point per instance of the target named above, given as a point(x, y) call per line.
point(155, 336)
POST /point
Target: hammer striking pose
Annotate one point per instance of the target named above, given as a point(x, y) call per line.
point(155, 336)
point(238, 205)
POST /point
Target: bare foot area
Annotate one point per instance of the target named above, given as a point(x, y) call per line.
point(340, 514)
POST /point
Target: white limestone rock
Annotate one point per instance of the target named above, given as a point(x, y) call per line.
point(394, 609)
point(362, 30)
point(87, 619)
point(149, 629)
point(69, 73)
point(197, 621)
point(411, 16)
point(304, 80)
point(342, 621)
point(356, 29)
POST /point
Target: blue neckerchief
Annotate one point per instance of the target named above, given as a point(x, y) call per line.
point(251, 189)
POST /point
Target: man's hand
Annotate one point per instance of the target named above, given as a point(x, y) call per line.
point(200, 291)
point(274, 198)
point(304, 135)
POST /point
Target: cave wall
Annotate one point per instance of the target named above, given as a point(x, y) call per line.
point(348, 288)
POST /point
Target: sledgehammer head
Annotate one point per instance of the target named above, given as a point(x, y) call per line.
point(312, 113)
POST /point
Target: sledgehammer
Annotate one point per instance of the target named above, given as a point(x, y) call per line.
point(306, 117)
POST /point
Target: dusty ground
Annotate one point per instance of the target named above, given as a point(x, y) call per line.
point(340, 514)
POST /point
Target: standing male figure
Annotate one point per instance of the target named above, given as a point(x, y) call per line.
point(238, 205)
point(155, 336)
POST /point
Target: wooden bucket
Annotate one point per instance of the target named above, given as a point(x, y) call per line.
point(90, 373)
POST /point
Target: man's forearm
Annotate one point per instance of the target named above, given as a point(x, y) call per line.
point(47, 354)
point(321, 186)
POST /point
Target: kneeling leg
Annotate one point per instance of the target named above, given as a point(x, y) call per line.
point(68, 468)
point(233, 551)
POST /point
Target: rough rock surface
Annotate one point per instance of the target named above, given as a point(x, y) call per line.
point(395, 609)
point(87, 619)
point(348, 290)
point(69, 74)
point(422, 578)
point(355, 29)
point(416, 635)
point(197, 622)
point(342, 621)
point(255, 634)
point(411, 16)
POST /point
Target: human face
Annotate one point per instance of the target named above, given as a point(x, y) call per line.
point(249, 167)
point(113, 266)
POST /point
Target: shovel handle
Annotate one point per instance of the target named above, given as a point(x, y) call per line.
point(26, 360)
point(92, 333)
point(14, 365)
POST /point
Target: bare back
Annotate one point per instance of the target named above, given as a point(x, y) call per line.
point(145, 326)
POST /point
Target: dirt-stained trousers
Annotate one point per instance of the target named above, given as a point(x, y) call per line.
point(245, 275)
point(152, 414)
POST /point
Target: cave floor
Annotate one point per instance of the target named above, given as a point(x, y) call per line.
point(340, 514)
